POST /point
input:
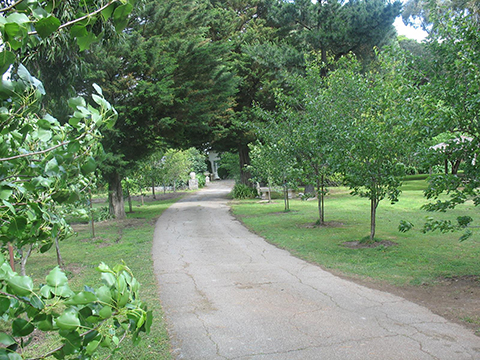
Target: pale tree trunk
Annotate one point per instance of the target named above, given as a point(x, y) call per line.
point(153, 189)
point(23, 259)
point(91, 215)
point(115, 196)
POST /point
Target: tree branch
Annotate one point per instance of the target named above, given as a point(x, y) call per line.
point(51, 352)
point(11, 6)
point(69, 23)
point(42, 151)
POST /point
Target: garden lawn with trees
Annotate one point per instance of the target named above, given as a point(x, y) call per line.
point(128, 95)
point(129, 242)
point(433, 269)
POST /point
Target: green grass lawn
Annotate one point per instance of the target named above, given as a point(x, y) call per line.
point(129, 241)
point(416, 259)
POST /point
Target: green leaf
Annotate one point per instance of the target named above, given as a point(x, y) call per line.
point(17, 226)
point(76, 101)
point(46, 291)
point(5, 192)
point(98, 89)
point(36, 302)
point(62, 291)
point(89, 166)
point(106, 312)
point(74, 121)
point(123, 299)
point(22, 327)
point(6, 339)
point(18, 18)
point(68, 321)
point(4, 305)
point(107, 12)
point(73, 342)
point(6, 59)
point(51, 168)
point(56, 277)
point(78, 31)
point(6, 271)
point(46, 324)
point(92, 346)
point(12, 30)
point(122, 12)
point(39, 13)
point(46, 247)
point(84, 42)
point(47, 26)
point(82, 298)
point(148, 322)
point(14, 356)
point(120, 16)
point(20, 285)
point(108, 279)
point(104, 294)
point(44, 135)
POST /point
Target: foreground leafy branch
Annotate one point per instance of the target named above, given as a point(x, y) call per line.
point(86, 320)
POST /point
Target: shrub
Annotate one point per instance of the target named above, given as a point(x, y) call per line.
point(241, 191)
point(201, 180)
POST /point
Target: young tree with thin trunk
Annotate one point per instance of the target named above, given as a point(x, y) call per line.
point(372, 113)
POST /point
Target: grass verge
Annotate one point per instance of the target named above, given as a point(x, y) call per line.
point(128, 241)
point(411, 258)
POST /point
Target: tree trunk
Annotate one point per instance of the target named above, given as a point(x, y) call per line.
point(244, 155)
point(59, 256)
point(115, 196)
point(373, 215)
point(285, 197)
point(174, 186)
point(321, 201)
point(455, 166)
point(12, 256)
point(23, 259)
point(92, 219)
point(153, 189)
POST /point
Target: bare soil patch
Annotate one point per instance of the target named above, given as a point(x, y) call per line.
point(361, 245)
point(327, 224)
point(456, 299)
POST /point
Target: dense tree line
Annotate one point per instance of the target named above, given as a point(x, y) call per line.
point(189, 74)
point(370, 124)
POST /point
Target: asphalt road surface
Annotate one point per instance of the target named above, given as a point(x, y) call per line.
point(228, 294)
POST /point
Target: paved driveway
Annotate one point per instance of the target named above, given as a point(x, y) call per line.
point(227, 294)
